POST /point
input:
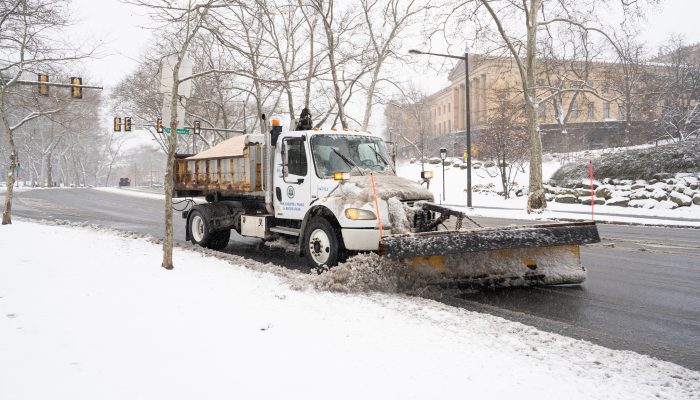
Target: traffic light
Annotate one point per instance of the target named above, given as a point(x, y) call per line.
point(76, 90)
point(197, 127)
point(159, 125)
point(127, 124)
point(117, 124)
point(43, 79)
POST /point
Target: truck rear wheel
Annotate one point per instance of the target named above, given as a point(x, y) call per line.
point(200, 234)
point(322, 246)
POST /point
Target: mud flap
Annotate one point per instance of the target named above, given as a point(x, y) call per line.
point(509, 256)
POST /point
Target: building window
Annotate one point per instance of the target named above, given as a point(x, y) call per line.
point(449, 106)
point(606, 110)
point(574, 113)
point(449, 126)
point(542, 110)
point(621, 110)
point(606, 87)
point(590, 111)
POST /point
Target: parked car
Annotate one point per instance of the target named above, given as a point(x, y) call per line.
point(124, 182)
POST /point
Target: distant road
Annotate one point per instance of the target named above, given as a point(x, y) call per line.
point(642, 292)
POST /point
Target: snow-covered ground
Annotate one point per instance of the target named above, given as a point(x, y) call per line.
point(86, 314)
point(493, 205)
point(133, 192)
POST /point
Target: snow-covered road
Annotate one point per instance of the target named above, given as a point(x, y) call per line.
point(86, 314)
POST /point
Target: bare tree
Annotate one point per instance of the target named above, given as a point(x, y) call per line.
point(409, 119)
point(679, 92)
point(517, 24)
point(504, 141)
point(385, 21)
point(28, 42)
point(184, 19)
point(334, 30)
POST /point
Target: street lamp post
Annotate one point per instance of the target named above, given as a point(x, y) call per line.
point(443, 156)
point(465, 58)
point(393, 146)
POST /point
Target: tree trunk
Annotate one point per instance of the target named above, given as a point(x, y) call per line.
point(168, 184)
point(504, 176)
point(370, 95)
point(49, 171)
point(536, 200)
point(7, 210)
point(334, 70)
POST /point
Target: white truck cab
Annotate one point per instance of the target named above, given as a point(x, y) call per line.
point(318, 180)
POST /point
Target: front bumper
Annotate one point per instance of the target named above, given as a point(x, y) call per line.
point(362, 239)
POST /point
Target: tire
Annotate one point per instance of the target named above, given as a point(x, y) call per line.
point(220, 240)
point(199, 232)
point(322, 247)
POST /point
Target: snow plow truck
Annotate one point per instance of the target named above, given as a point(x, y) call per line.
point(333, 193)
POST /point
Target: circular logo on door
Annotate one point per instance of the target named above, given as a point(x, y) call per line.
point(290, 192)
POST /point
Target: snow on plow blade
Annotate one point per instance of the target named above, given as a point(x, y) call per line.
point(506, 256)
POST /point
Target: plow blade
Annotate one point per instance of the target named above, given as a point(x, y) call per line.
point(507, 256)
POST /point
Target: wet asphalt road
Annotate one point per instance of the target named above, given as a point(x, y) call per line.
point(642, 292)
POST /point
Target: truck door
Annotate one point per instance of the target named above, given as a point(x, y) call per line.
point(292, 183)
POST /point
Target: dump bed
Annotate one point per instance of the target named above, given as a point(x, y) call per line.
point(233, 168)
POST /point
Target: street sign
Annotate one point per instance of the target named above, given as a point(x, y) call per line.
point(166, 76)
point(165, 115)
point(183, 131)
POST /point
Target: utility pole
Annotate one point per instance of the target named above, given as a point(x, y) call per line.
point(464, 58)
point(468, 127)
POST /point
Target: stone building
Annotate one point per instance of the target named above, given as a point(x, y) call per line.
point(584, 105)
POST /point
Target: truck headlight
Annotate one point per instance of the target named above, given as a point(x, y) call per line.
point(358, 213)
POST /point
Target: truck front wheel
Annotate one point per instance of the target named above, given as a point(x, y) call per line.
point(200, 234)
point(321, 245)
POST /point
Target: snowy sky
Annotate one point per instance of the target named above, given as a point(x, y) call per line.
point(122, 31)
point(120, 28)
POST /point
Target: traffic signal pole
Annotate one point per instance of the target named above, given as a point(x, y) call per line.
point(68, 85)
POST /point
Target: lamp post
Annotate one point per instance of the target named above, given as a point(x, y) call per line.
point(443, 156)
point(465, 58)
point(393, 146)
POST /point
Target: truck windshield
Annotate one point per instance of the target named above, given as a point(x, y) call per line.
point(362, 154)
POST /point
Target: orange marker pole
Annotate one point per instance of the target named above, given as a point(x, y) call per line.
point(376, 205)
point(590, 171)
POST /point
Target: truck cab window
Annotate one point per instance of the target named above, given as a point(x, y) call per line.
point(296, 157)
point(348, 153)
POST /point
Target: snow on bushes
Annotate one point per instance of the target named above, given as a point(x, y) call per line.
point(649, 163)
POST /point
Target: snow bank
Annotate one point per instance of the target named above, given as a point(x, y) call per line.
point(367, 272)
point(397, 216)
point(88, 315)
point(492, 205)
point(131, 192)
